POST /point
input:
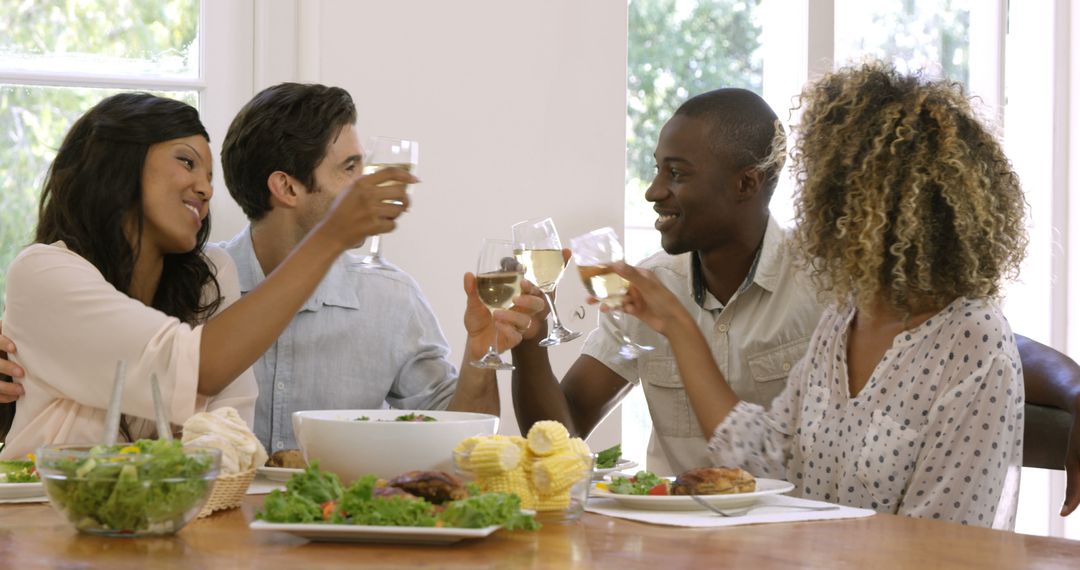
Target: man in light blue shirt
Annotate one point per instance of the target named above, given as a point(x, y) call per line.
point(367, 335)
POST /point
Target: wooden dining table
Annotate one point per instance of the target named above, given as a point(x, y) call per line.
point(36, 536)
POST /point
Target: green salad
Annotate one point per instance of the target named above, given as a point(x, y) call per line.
point(607, 458)
point(18, 471)
point(146, 487)
point(410, 417)
point(642, 483)
point(317, 497)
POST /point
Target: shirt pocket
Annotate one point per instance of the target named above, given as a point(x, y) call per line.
point(669, 404)
point(769, 367)
point(886, 460)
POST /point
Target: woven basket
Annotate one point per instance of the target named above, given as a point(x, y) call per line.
point(228, 493)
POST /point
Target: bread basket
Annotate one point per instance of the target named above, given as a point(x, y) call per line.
point(228, 493)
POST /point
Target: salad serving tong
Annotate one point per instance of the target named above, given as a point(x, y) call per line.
point(112, 416)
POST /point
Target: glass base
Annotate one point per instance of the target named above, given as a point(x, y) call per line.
point(373, 261)
point(493, 362)
point(632, 351)
point(559, 335)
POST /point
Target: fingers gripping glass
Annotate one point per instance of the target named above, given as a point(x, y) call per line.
point(539, 251)
point(594, 253)
point(385, 152)
point(498, 281)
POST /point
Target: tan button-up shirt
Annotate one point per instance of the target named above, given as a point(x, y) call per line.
point(756, 338)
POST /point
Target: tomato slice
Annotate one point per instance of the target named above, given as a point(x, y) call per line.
point(659, 489)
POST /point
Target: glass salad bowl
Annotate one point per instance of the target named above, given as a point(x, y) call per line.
point(145, 488)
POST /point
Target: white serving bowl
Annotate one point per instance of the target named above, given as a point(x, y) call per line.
point(386, 448)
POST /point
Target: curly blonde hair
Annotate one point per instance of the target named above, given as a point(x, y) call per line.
point(903, 195)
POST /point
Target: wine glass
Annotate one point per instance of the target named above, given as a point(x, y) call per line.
point(498, 281)
point(538, 249)
point(594, 253)
point(384, 152)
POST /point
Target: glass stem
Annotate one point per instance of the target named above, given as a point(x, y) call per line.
point(554, 313)
point(375, 250)
point(616, 317)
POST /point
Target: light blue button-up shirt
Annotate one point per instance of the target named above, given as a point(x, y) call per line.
point(366, 336)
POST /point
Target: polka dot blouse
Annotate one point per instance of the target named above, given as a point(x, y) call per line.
point(936, 433)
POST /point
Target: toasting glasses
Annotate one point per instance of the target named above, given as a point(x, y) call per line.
point(538, 249)
point(384, 152)
point(594, 253)
point(498, 281)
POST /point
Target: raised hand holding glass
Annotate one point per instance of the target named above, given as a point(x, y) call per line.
point(498, 281)
point(386, 152)
point(594, 253)
point(538, 249)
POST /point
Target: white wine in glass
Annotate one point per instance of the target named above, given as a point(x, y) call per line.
point(538, 249)
point(387, 152)
point(498, 281)
point(602, 282)
point(594, 254)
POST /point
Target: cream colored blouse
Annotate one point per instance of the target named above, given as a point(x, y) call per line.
point(71, 327)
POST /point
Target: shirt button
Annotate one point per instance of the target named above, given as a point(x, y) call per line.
point(280, 445)
point(787, 367)
point(722, 328)
point(280, 385)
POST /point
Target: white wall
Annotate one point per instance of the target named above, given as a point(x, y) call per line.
point(520, 110)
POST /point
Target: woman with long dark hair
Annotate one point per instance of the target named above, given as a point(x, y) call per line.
point(118, 271)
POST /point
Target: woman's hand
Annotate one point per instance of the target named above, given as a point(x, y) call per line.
point(651, 302)
point(368, 207)
point(482, 324)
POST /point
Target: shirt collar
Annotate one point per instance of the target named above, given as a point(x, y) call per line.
point(764, 271)
point(334, 289)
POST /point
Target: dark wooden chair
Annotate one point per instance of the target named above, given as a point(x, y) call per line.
point(1046, 429)
point(1046, 433)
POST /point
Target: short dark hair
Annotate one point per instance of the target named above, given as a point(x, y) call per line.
point(741, 124)
point(286, 127)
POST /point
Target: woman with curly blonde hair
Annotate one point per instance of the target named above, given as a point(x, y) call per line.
point(910, 397)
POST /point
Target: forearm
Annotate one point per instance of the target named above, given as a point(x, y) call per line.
point(1049, 376)
point(234, 339)
point(477, 390)
point(536, 391)
point(711, 398)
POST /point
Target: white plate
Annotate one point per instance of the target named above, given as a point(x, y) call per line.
point(621, 465)
point(687, 503)
point(9, 491)
point(277, 473)
point(375, 534)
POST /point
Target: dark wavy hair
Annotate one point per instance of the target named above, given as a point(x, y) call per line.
point(285, 127)
point(95, 181)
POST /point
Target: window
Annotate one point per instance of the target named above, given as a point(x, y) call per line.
point(676, 49)
point(59, 58)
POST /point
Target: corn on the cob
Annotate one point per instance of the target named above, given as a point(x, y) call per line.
point(493, 456)
point(577, 446)
point(547, 437)
point(557, 472)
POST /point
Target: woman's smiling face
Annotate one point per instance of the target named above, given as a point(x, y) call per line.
point(176, 193)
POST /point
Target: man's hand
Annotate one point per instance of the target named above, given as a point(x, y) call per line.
point(9, 391)
point(482, 324)
point(368, 207)
point(1072, 469)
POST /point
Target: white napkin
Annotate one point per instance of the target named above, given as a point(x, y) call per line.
point(775, 513)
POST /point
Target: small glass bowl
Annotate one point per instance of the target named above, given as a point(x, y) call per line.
point(111, 493)
point(579, 495)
